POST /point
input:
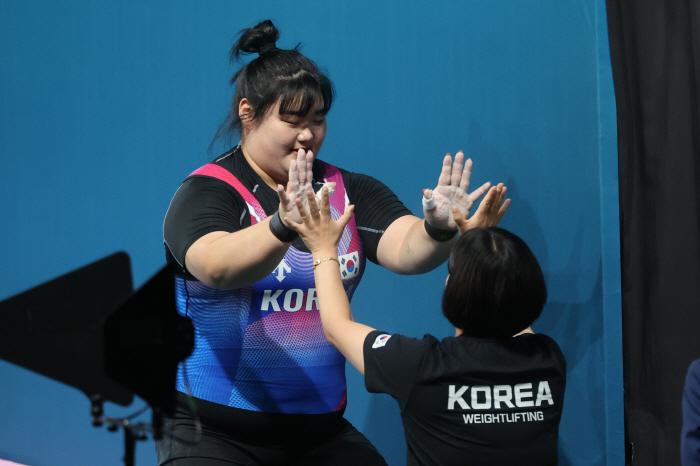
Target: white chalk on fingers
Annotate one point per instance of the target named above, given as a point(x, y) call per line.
point(329, 185)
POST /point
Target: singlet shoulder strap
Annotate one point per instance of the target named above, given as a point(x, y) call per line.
point(330, 172)
point(338, 199)
point(257, 213)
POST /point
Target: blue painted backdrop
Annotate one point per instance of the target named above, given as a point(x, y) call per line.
point(106, 106)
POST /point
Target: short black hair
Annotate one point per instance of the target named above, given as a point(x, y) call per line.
point(276, 75)
point(496, 287)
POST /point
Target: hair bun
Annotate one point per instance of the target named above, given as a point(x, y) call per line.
point(267, 48)
point(260, 39)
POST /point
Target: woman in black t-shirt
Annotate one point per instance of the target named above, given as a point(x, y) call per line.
point(491, 395)
point(268, 387)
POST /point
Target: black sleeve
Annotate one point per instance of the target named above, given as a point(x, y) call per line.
point(558, 355)
point(392, 363)
point(376, 207)
point(201, 205)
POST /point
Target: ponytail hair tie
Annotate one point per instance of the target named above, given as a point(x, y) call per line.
point(267, 48)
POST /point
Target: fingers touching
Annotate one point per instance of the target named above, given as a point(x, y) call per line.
point(313, 206)
point(300, 172)
point(498, 207)
point(503, 204)
point(461, 222)
point(477, 193)
point(317, 213)
point(317, 228)
point(491, 210)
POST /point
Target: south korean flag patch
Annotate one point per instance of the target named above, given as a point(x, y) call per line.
point(349, 265)
point(380, 340)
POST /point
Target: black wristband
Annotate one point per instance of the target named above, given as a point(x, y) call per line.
point(438, 234)
point(281, 231)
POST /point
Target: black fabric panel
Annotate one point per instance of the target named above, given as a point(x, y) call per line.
point(384, 208)
point(222, 204)
point(655, 56)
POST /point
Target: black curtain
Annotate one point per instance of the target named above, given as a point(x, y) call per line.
point(655, 47)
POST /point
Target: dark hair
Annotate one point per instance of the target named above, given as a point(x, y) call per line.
point(276, 75)
point(496, 288)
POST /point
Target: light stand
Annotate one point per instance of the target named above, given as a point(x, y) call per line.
point(89, 330)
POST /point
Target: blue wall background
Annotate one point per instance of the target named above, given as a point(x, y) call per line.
point(106, 106)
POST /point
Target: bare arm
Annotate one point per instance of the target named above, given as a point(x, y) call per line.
point(336, 316)
point(321, 234)
point(405, 247)
point(233, 260)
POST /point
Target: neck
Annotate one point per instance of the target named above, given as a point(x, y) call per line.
point(270, 181)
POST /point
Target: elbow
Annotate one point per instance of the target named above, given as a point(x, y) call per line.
point(213, 276)
point(223, 276)
point(411, 269)
point(330, 337)
point(214, 280)
point(219, 282)
point(407, 267)
point(424, 267)
point(399, 267)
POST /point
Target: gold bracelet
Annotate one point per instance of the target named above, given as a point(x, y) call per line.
point(321, 261)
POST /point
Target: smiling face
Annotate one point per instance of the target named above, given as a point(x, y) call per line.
point(272, 144)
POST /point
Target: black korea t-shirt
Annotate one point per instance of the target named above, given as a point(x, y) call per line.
point(472, 401)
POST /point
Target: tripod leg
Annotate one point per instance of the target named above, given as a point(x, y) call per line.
point(129, 446)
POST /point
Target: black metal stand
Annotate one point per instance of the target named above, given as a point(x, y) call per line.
point(132, 432)
point(90, 330)
point(129, 446)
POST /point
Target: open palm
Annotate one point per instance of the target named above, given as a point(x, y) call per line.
point(451, 191)
point(299, 182)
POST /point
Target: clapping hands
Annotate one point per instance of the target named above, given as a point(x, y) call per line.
point(489, 213)
point(299, 183)
point(449, 204)
point(451, 191)
point(317, 228)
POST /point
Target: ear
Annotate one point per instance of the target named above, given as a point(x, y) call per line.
point(245, 110)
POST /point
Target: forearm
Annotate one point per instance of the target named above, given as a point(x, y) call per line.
point(406, 248)
point(333, 302)
point(233, 260)
point(336, 315)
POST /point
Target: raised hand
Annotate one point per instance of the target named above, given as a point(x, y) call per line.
point(317, 228)
point(299, 182)
point(450, 192)
point(489, 213)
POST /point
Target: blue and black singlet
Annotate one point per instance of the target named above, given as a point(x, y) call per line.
point(261, 348)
